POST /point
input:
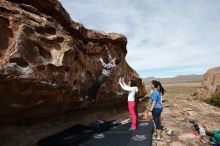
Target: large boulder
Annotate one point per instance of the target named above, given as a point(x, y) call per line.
point(210, 83)
point(48, 61)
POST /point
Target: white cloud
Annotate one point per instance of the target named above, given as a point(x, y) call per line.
point(161, 34)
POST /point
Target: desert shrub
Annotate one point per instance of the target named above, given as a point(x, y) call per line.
point(214, 100)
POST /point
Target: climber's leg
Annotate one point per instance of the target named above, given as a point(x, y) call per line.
point(94, 89)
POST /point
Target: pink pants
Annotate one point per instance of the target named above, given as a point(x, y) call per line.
point(131, 107)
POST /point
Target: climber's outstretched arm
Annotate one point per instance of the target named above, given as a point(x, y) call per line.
point(108, 53)
point(124, 86)
point(103, 63)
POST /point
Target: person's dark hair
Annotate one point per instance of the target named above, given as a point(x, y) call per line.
point(158, 85)
point(117, 61)
point(133, 83)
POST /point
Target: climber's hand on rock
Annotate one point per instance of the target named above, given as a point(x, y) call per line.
point(101, 59)
point(119, 80)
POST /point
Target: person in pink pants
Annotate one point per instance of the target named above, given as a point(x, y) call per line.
point(132, 90)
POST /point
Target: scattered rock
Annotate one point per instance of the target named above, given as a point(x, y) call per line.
point(177, 144)
point(186, 136)
point(159, 143)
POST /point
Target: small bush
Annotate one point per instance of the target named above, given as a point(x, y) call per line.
point(215, 100)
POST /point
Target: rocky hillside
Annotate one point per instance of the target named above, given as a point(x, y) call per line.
point(210, 83)
point(176, 80)
point(177, 116)
point(48, 61)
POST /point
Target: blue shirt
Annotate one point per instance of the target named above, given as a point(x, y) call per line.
point(155, 95)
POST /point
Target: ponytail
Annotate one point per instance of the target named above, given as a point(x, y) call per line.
point(160, 88)
point(158, 85)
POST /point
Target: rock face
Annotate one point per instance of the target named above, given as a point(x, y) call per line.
point(48, 61)
point(210, 83)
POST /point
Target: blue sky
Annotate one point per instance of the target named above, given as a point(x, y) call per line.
point(165, 37)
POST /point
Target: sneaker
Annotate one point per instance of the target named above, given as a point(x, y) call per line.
point(131, 129)
point(157, 138)
point(163, 127)
point(170, 133)
point(154, 137)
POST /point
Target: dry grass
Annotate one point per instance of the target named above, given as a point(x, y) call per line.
point(181, 89)
point(174, 90)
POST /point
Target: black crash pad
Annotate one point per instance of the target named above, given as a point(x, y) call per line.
point(80, 135)
point(121, 136)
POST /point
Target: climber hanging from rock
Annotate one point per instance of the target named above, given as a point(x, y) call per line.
point(107, 70)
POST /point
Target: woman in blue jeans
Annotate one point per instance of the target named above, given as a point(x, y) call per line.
point(156, 106)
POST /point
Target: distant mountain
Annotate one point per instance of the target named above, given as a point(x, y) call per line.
point(176, 80)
